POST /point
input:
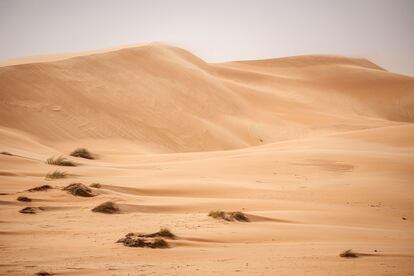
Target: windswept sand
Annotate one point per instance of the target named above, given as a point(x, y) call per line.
point(318, 151)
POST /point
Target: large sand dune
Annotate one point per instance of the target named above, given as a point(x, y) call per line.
point(318, 151)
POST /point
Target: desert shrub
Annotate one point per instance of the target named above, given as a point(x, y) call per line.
point(239, 216)
point(78, 189)
point(24, 199)
point(56, 175)
point(6, 153)
point(166, 233)
point(153, 240)
point(82, 152)
point(28, 210)
point(107, 207)
point(132, 240)
point(159, 243)
point(229, 216)
point(163, 232)
point(348, 254)
point(40, 188)
point(60, 161)
point(217, 214)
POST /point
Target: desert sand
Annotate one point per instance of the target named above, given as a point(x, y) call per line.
point(317, 151)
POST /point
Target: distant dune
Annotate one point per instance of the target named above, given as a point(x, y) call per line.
point(318, 151)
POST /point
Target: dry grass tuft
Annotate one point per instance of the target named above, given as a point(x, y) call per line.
point(60, 161)
point(218, 214)
point(56, 175)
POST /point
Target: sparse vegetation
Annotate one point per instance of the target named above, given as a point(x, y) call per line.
point(153, 240)
point(83, 153)
point(107, 208)
point(24, 199)
point(78, 189)
point(60, 161)
point(217, 214)
point(159, 243)
point(349, 254)
point(56, 175)
point(136, 241)
point(164, 233)
point(229, 216)
point(28, 210)
point(239, 216)
point(40, 188)
point(95, 185)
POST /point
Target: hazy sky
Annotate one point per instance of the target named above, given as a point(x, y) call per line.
point(215, 30)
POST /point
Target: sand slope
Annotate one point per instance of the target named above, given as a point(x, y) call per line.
point(317, 150)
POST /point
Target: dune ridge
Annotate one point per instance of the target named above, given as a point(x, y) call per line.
point(317, 151)
point(183, 104)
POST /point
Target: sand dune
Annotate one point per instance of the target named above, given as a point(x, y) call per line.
point(317, 150)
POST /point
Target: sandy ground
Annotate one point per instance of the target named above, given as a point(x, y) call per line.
point(318, 151)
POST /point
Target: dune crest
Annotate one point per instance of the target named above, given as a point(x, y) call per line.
point(164, 99)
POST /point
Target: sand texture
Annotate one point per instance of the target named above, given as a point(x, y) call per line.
point(316, 151)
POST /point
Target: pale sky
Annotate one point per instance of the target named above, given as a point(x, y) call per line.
point(215, 30)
